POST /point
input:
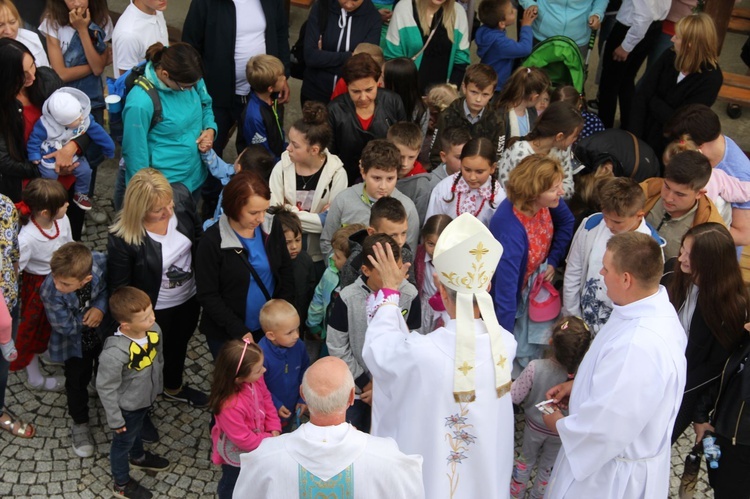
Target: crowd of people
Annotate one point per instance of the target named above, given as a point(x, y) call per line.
point(433, 243)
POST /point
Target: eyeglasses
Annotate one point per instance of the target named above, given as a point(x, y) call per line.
point(181, 87)
point(242, 357)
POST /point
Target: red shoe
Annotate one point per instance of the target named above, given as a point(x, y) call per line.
point(82, 201)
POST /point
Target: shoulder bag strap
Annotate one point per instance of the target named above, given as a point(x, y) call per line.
point(637, 155)
point(256, 276)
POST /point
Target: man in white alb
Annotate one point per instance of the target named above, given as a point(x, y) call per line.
point(328, 457)
point(628, 389)
point(444, 395)
point(141, 25)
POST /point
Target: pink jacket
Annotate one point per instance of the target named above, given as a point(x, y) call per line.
point(731, 189)
point(247, 418)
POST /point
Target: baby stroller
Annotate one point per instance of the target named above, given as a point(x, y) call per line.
point(560, 58)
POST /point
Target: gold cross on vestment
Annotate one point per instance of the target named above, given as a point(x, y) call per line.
point(501, 362)
point(465, 368)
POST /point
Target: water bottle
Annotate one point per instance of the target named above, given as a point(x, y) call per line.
point(711, 450)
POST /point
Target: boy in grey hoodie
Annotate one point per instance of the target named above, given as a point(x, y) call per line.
point(348, 324)
point(128, 381)
point(66, 114)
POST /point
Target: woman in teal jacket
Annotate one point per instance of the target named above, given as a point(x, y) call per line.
point(435, 35)
point(170, 142)
point(572, 18)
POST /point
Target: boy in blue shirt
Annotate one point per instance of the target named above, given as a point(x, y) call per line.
point(285, 359)
point(261, 124)
point(493, 45)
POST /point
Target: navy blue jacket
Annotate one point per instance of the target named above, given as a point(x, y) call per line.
point(284, 370)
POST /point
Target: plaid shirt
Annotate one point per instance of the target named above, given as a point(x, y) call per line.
point(65, 314)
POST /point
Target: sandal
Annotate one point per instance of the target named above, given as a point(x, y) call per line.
point(16, 427)
point(59, 385)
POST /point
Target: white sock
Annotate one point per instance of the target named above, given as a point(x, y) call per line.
point(34, 373)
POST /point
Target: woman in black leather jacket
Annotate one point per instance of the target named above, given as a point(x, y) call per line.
point(362, 114)
point(151, 247)
point(712, 303)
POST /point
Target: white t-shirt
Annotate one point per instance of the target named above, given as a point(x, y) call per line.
point(64, 34)
point(177, 280)
point(251, 39)
point(135, 32)
point(34, 44)
point(36, 250)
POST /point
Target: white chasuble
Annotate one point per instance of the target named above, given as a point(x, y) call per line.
point(628, 389)
point(329, 461)
point(467, 447)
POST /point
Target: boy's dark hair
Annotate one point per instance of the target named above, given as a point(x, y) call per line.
point(570, 341)
point(340, 239)
point(289, 221)
point(380, 154)
point(127, 301)
point(492, 12)
point(369, 245)
point(622, 196)
point(257, 158)
point(72, 260)
point(387, 208)
point(405, 133)
point(697, 120)
point(481, 75)
point(454, 136)
point(689, 168)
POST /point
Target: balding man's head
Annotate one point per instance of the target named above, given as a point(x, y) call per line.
point(327, 387)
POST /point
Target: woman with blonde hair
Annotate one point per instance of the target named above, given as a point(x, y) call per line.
point(435, 35)
point(10, 27)
point(687, 74)
point(151, 247)
point(535, 227)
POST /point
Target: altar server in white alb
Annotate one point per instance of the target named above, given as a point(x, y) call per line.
point(328, 457)
point(628, 389)
point(445, 395)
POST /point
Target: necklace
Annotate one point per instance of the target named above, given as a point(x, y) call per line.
point(57, 229)
point(306, 180)
point(458, 204)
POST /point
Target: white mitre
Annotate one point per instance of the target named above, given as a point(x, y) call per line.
point(465, 258)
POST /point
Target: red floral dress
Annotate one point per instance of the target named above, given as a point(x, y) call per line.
point(539, 230)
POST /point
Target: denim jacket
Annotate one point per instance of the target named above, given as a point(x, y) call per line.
point(75, 56)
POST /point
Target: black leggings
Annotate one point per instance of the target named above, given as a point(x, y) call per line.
point(731, 480)
point(177, 326)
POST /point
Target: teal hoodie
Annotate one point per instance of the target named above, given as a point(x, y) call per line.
point(170, 145)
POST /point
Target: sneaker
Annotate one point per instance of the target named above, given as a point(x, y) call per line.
point(82, 201)
point(188, 395)
point(98, 216)
point(47, 360)
point(149, 434)
point(132, 490)
point(150, 461)
point(83, 442)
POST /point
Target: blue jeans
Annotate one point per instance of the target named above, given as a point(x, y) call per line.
point(360, 416)
point(227, 481)
point(82, 174)
point(127, 443)
point(4, 364)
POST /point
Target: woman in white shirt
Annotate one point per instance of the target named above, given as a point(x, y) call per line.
point(10, 27)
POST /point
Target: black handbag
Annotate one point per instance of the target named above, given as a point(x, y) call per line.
point(297, 53)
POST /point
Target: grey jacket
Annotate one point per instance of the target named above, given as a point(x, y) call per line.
point(348, 324)
point(121, 385)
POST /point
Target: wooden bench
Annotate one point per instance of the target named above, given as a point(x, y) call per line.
point(740, 21)
point(736, 89)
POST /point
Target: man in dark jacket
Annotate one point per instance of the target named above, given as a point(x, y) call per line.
point(211, 27)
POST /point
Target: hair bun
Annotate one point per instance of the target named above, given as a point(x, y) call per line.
point(314, 113)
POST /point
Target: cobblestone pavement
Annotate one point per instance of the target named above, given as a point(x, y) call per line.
point(45, 466)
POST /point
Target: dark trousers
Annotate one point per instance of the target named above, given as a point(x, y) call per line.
point(685, 414)
point(177, 327)
point(618, 77)
point(360, 416)
point(226, 118)
point(78, 374)
point(127, 443)
point(731, 479)
point(227, 481)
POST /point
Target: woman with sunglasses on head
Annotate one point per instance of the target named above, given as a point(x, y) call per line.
point(168, 140)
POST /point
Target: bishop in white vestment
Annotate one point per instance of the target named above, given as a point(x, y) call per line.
point(329, 457)
point(628, 389)
point(444, 395)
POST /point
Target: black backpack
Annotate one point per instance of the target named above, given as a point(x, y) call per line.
point(125, 83)
point(297, 53)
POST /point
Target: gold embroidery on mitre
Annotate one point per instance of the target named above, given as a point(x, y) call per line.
point(465, 368)
point(462, 397)
point(502, 390)
point(477, 277)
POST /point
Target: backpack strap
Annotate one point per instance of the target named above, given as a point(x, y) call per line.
point(150, 89)
point(637, 155)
